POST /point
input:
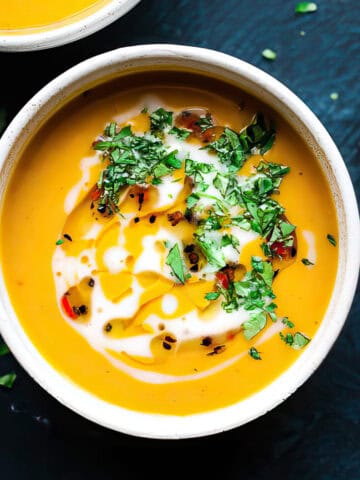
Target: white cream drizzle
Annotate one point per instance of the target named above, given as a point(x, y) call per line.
point(82, 185)
point(310, 240)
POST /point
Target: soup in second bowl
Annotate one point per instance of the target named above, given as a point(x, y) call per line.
point(19, 14)
point(169, 243)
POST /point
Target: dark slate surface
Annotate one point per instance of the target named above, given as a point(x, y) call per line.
point(314, 434)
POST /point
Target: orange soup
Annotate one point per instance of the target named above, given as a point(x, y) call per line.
point(27, 14)
point(169, 243)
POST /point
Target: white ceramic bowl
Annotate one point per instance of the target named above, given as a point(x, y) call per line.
point(60, 33)
point(259, 84)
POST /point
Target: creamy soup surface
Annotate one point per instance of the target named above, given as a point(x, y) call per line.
point(27, 14)
point(169, 243)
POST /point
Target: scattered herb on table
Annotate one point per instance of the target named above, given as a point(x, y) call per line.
point(305, 7)
point(334, 96)
point(4, 349)
point(8, 380)
point(269, 54)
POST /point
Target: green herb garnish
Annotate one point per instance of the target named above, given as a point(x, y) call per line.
point(160, 119)
point(331, 239)
point(253, 352)
point(212, 295)
point(307, 262)
point(8, 380)
point(180, 133)
point(306, 7)
point(59, 242)
point(175, 262)
point(296, 341)
point(205, 122)
point(4, 349)
point(269, 54)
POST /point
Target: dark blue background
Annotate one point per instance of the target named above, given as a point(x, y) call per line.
point(314, 434)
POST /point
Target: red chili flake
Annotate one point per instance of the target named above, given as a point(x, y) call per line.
point(279, 249)
point(223, 280)
point(229, 272)
point(193, 258)
point(68, 309)
point(96, 194)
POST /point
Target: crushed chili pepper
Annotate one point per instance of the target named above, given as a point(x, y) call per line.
point(68, 309)
point(223, 280)
point(175, 218)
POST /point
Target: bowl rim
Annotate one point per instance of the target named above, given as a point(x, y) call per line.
point(61, 33)
point(160, 426)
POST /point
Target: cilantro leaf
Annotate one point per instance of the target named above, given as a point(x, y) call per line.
point(4, 349)
point(160, 119)
point(211, 250)
point(254, 325)
point(307, 262)
point(305, 7)
point(253, 352)
point(331, 239)
point(180, 133)
point(175, 262)
point(212, 295)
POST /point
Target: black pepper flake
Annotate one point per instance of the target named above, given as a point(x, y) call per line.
point(167, 346)
point(218, 349)
point(76, 311)
point(276, 272)
point(92, 205)
point(293, 252)
point(136, 219)
point(141, 199)
point(132, 195)
point(152, 219)
point(194, 268)
point(170, 339)
point(101, 208)
point(67, 236)
point(206, 341)
point(91, 282)
point(189, 248)
point(83, 309)
point(108, 327)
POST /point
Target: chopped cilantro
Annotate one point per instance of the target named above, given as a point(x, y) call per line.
point(253, 352)
point(8, 380)
point(59, 242)
point(307, 262)
point(133, 160)
point(212, 250)
point(176, 263)
point(205, 122)
point(144, 110)
point(268, 54)
point(229, 239)
point(212, 295)
point(296, 341)
point(180, 133)
point(160, 119)
point(254, 325)
point(306, 7)
point(331, 239)
point(287, 322)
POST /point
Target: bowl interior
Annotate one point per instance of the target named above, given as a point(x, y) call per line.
point(255, 82)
